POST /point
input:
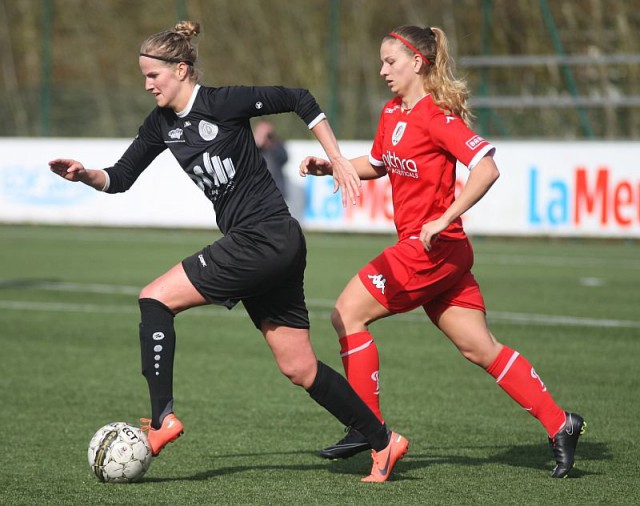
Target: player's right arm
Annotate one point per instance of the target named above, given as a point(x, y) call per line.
point(72, 170)
point(315, 166)
point(146, 146)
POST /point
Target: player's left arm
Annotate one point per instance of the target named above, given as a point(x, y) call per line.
point(481, 178)
point(254, 101)
point(241, 102)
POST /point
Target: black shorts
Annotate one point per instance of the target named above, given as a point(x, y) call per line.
point(262, 266)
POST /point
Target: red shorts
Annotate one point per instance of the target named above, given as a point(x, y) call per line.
point(406, 276)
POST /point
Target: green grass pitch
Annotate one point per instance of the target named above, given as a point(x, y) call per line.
point(69, 360)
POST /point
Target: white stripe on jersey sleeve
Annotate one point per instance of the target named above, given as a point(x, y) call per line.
point(318, 119)
point(374, 162)
point(107, 180)
point(487, 150)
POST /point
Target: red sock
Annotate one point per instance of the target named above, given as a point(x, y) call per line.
point(515, 375)
point(361, 364)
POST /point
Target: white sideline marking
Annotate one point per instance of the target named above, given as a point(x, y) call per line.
point(319, 304)
point(514, 318)
point(202, 236)
point(555, 261)
point(60, 286)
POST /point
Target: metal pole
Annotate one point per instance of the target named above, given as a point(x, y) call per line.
point(45, 68)
point(484, 112)
point(181, 10)
point(333, 64)
point(566, 70)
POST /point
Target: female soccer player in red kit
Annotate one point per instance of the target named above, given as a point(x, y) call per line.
point(421, 134)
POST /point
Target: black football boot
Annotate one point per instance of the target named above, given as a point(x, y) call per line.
point(564, 444)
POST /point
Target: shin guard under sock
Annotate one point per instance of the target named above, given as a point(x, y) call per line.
point(515, 375)
point(333, 392)
point(361, 363)
point(157, 350)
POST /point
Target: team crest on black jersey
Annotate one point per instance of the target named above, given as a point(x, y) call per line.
point(208, 131)
point(398, 132)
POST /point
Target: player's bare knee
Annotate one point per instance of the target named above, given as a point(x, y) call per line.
point(148, 292)
point(346, 320)
point(337, 321)
point(481, 357)
point(470, 355)
point(299, 373)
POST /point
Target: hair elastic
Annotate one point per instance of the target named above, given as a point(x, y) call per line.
point(167, 59)
point(410, 46)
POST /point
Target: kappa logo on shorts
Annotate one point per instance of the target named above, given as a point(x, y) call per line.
point(378, 281)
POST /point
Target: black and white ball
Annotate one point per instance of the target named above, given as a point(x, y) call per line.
point(119, 453)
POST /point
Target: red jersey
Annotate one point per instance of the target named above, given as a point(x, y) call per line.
point(419, 149)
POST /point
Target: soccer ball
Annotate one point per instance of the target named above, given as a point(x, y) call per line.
point(119, 453)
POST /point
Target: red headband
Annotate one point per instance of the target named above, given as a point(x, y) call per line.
point(410, 46)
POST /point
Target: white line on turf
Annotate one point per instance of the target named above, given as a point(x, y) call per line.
point(505, 317)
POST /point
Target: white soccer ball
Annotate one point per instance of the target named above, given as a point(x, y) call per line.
point(119, 453)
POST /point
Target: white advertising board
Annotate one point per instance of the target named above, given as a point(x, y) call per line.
point(576, 189)
point(163, 196)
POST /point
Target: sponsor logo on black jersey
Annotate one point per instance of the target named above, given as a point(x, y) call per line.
point(214, 175)
point(175, 134)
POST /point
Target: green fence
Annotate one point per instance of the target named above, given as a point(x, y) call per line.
point(536, 69)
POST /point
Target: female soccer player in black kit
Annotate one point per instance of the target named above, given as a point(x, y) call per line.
point(261, 258)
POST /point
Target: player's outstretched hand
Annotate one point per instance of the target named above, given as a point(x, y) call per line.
point(71, 170)
point(344, 174)
point(315, 166)
point(346, 178)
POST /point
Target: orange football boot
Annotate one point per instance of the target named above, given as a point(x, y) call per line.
point(170, 430)
point(384, 460)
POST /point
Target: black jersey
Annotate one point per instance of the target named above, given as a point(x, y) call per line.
point(213, 142)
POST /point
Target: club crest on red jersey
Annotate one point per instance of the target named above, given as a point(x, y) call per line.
point(398, 132)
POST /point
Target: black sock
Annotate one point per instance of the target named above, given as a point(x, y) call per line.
point(157, 349)
point(333, 392)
